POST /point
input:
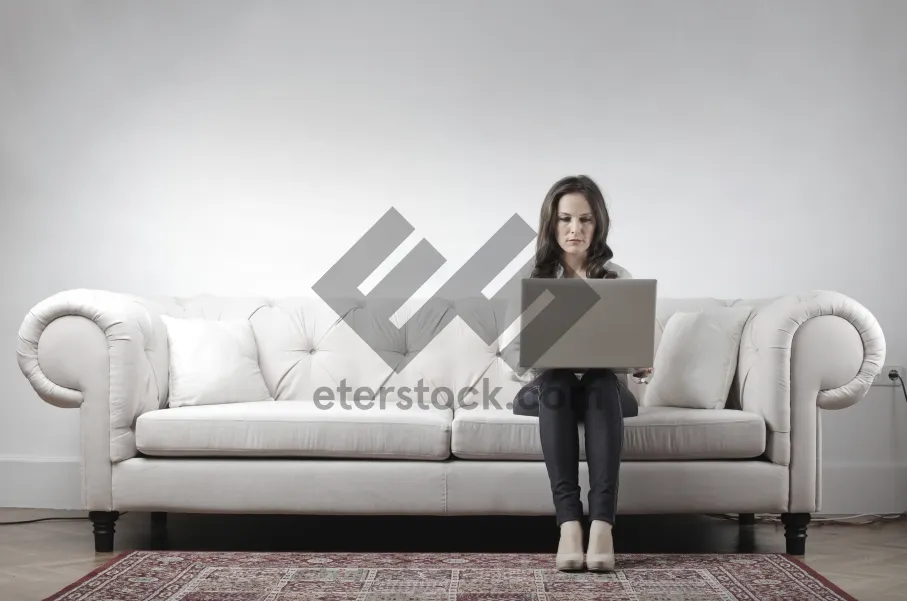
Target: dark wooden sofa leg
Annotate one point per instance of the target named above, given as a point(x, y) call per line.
point(746, 519)
point(159, 522)
point(795, 532)
point(103, 529)
point(158, 530)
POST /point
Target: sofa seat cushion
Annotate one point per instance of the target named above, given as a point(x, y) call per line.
point(657, 433)
point(295, 429)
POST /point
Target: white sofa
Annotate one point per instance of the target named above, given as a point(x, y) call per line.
point(107, 355)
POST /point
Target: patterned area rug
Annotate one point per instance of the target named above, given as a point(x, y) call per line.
point(230, 576)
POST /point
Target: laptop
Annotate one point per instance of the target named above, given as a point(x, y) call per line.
point(581, 323)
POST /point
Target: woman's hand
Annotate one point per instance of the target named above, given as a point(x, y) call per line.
point(643, 374)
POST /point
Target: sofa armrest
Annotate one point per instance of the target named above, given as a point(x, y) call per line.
point(106, 354)
point(798, 354)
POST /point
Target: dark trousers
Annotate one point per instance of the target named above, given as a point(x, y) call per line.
point(595, 400)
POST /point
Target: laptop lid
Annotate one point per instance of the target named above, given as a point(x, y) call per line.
point(588, 323)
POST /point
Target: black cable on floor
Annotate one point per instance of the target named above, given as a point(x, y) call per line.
point(46, 520)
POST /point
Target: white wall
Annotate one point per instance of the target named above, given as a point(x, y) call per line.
point(749, 149)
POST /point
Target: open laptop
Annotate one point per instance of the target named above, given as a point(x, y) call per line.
point(588, 323)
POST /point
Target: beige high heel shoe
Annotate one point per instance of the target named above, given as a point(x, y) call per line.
point(570, 547)
point(600, 555)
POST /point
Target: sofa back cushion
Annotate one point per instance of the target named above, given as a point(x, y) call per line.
point(213, 362)
point(697, 358)
point(304, 346)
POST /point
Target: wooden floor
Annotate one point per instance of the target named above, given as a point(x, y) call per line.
point(37, 560)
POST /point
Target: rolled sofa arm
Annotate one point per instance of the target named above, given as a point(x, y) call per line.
point(107, 354)
point(800, 353)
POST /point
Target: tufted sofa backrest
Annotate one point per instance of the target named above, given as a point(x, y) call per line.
point(305, 346)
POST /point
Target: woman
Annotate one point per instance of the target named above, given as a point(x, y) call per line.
point(572, 242)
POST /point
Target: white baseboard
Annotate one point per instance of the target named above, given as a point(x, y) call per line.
point(848, 488)
point(41, 482)
point(864, 488)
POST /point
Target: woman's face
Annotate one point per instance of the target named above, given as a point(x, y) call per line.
point(575, 224)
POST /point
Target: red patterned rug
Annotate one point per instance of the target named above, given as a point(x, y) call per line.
point(230, 576)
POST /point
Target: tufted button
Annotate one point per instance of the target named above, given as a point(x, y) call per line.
point(312, 351)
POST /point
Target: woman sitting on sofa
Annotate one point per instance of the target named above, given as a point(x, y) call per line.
point(572, 242)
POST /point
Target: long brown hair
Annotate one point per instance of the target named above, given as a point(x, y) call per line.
point(548, 252)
